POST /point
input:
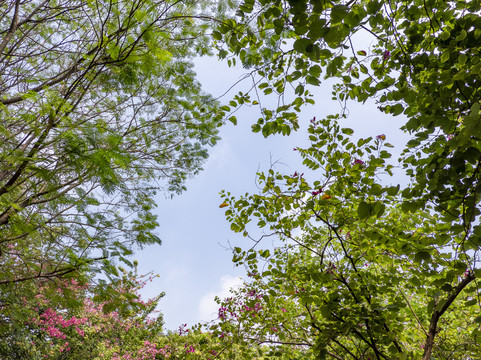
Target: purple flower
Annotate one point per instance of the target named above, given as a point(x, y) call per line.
point(183, 330)
point(381, 137)
point(358, 161)
point(222, 313)
point(386, 55)
point(189, 349)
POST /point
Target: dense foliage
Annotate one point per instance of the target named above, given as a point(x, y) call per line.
point(99, 109)
point(363, 270)
point(63, 320)
point(417, 58)
point(353, 275)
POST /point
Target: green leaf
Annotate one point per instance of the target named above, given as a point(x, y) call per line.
point(266, 129)
point(422, 256)
point(393, 190)
point(217, 35)
point(338, 13)
point(302, 45)
point(364, 210)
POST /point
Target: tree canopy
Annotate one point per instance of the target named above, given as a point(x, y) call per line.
point(99, 109)
point(415, 58)
point(362, 269)
point(353, 275)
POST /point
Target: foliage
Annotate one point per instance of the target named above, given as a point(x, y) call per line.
point(419, 58)
point(364, 270)
point(99, 101)
point(99, 109)
point(65, 321)
point(355, 273)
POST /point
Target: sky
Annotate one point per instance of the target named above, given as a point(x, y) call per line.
point(194, 261)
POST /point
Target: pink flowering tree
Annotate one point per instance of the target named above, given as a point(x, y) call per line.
point(78, 318)
point(67, 319)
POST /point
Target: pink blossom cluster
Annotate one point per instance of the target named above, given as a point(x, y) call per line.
point(257, 308)
point(189, 348)
point(222, 313)
point(61, 329)
point(150, 351)
point(50, 322)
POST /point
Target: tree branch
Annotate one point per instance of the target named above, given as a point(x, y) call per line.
point(429, 344)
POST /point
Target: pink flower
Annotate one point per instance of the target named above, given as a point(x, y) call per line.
point(189, 349)
point(182, 330)
point(80, 331)
point(283, 310)
point(386, 55)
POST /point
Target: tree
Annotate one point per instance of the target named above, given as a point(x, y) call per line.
point(400, 247)
point(68, 320)
point(423, 63)
point(355, 274)
point(99, 109)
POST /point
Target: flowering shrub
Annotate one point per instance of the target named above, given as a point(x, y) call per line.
point(67, 318)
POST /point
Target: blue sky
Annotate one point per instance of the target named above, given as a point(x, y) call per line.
point(194, 261)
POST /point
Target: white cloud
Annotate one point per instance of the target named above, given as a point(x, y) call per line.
point(207, 306)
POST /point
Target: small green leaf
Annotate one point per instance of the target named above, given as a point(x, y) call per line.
point(217, 35)
point(364, 210)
